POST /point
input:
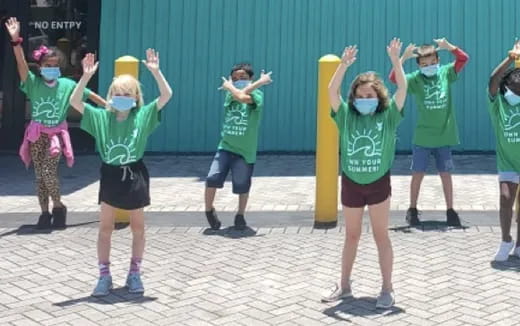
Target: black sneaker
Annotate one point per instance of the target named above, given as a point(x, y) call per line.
point(44, 221)
point(412, 217)
point(213, 220)
point(59, 217)
point(240, 222)
point(452, 218)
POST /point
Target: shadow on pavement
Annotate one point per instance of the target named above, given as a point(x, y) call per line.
point(426, 226)
point(116, 296)
point(232, 233)
point(512, 264)
point(360, 307)
point(30, 229)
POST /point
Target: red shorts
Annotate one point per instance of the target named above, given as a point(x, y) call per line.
point(358, 195)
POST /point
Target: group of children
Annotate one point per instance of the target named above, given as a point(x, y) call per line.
point(367, 122)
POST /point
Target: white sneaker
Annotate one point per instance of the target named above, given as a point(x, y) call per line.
point(504, 250)
point(337, 294)
point(516, 252)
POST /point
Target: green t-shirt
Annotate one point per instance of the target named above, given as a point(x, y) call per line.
point(436, 123)
point(506, 121)
point(49, 105)
point(121, 142)
point(241, 123)
point(367, 142)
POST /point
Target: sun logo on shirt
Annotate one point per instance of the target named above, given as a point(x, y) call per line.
point(46, 108)
point(512, 120)
point(122, 151)
point(237, 115)
point(366, 142)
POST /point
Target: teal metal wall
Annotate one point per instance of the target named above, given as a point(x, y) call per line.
point(199, 40)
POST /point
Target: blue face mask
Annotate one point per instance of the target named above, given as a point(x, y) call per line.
point(366, 105)
point(241, 84)
point(122, 103)
point(50, 73)
point(431, 70)
point(511, 97)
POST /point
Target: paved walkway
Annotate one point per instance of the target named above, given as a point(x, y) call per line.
point(269, 276)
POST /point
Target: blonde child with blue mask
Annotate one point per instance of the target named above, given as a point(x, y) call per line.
point(121, 131)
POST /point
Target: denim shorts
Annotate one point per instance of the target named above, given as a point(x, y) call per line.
point(513, 177)
point(421, 158)
point(241, 172)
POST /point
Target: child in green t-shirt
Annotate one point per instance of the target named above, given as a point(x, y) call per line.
point(367, 123)
point(436, 129)
point(46, 137)
point(121, 131)
point(243, 105)
point(504, 108)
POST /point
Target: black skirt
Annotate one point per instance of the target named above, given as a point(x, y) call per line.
point(125, 186)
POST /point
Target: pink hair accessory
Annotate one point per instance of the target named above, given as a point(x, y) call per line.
point(38, 54)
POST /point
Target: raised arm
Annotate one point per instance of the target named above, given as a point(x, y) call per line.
point(393, 50)
point(13, 28)
point(408, 53)
point(347, 59)
point(498, 73)
point(89, 69)
point(264, 79)
point(461, 58)
point(152, 63)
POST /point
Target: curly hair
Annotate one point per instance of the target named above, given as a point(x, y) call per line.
point(377, 84)
point(511, 77)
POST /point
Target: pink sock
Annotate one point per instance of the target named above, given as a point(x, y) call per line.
point(135, 265)
point(104, 268)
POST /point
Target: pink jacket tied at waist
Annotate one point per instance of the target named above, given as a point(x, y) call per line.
point(32, 134)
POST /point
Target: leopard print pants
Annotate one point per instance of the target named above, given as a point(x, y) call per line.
point(46, 171)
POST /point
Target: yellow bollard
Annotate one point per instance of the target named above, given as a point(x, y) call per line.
point(327, 147)
point(130, 66)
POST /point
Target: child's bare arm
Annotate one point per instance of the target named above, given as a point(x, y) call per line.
point(461, 58)
point(89, 69)
point(264, 79)
point(13, 27)
point(94, 97)
point(394, 49)
point(238, 94)
point(347, 59)
point(152, 63)
point(408, 53)
point(498, 73)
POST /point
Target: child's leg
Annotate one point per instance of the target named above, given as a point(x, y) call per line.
point(138, 239)
point(444, 163)
point(51, 179)
point(106, 226)
point(447, 186)
point(379, 215)
point(38, 151)
point(420, 158)
point(217, 174)
point(353, 223)
point(507, 199)
point(415, 187)
point(241, 175)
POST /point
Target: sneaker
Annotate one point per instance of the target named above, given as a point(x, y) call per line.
point(452, 218)
point(504, 250)
point(103, 286)
point(134, 283)
point(337, 295)
point(240, 222)
point(59, 217)
point(213, 220)
point(412, 217)
point(385, 300)
point(516, 252)
point(44, 221)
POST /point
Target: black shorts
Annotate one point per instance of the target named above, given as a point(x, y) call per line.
point(125, 186)
point(358, 195)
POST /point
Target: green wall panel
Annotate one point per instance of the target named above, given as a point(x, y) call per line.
point(199, 41)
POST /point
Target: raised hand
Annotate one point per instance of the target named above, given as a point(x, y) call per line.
point(265, 79)
point(394, 48)
point(442, 43)
point(514, 53)
point(152, 60)
point(89, 65)
point(13, 28)
point(349, 55)
point(409, 52)
point(226, 83)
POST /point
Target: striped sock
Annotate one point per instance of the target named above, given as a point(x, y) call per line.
point(135, 265)
point(104, 268)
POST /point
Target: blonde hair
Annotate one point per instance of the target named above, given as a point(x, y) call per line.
point(125, 84)
point(376, 83)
